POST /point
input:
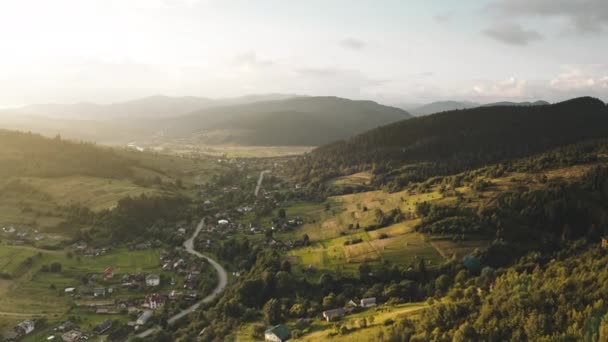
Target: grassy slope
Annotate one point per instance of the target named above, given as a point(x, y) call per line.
point(328, 229)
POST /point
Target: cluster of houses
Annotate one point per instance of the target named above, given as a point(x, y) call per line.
point(68, 331)
point(351, 306)
point(18, 236)
point(82, 248)
point(281, 333)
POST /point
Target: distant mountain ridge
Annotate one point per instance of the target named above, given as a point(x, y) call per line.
point(444, 106)
point(310, 121)
point(268, 119)
point(151, 107)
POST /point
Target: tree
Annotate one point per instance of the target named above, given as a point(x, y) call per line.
point(286, 266)
point(55, 267)
point(272, 311)
point(282, 213)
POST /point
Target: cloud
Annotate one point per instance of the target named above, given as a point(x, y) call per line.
point(352, 43)
point(250, 60)
point(508, 88)
point(513, 34)
point(585, 16)
point(581, 78)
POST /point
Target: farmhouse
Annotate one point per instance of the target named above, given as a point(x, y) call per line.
point(368, 302)
point(333, 315)
point(152, 280)
point(278, 333)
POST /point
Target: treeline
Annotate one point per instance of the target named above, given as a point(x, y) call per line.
point(142, 218)
point(451, 142)
point(27, 154)
point(538, 299)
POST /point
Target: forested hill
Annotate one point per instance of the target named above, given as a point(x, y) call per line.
point(310, 121)
point(27, 154)
point(452, 141)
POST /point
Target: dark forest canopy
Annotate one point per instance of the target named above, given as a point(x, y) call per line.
point(453, 141)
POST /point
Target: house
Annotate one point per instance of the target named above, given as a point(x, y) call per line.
point(108, 273)
point(99, 292)
point(103, 327)
point(278, 333)
point(152, 280)
point(66, 326)
point(155, 301)
point(368, 302)
point(144, 318)
point(333, 315)
point(181, 231)
point(25, 327)
point(72, 336)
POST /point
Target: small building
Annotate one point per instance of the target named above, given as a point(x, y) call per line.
point(278, 333)
point(25, 327)
point(99, 292)
point(155, 301)
point(223, 222)
point(108, 273)
point(69, 290)
point(103, 327)
point(144, 318)
point(368, 302)
point(72, 336)
point(333, 315)
point(152, 280)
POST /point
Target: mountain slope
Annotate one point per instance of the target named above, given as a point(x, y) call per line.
point(442, 106)
point(296, 121)
point(450, 141)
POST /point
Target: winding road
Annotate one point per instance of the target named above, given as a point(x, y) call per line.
point(221, 285)
point(221, 272)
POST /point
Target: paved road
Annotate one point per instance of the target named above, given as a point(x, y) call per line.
point(257, 187)
point(222, 275)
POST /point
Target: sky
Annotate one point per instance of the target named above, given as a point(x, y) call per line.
point(390, 51)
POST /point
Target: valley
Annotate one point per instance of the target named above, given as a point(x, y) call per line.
point(141, 245)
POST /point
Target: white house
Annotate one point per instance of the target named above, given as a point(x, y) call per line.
point(152, 280)
point(368, 302)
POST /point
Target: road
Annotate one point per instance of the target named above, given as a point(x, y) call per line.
point(221, 285)
point(259, 185)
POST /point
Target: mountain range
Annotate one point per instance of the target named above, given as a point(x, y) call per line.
point(272, 119)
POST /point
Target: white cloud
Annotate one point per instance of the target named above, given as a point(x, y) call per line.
point(509, 88)
point(581, 77)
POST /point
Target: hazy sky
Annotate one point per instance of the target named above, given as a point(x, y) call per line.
point(389, 51)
